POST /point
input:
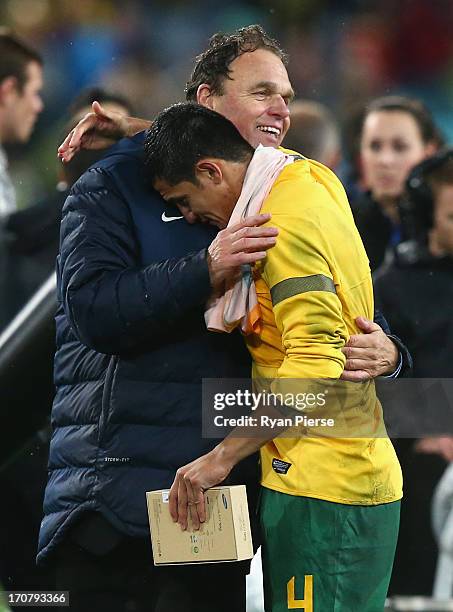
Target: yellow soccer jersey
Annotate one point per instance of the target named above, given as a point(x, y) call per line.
point(311, 287)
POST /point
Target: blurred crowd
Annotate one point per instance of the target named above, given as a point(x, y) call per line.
point(374, 87)
point(347, 52)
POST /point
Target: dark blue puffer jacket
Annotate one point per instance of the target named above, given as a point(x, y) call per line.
point(132, 348)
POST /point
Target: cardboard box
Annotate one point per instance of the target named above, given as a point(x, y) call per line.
point(225, 535)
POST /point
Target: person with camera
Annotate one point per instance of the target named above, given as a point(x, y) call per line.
point(395, 134)
point(416, 291)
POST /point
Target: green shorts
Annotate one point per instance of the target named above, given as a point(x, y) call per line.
point(320, 556)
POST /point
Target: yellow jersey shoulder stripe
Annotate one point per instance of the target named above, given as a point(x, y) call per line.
point(301, 284)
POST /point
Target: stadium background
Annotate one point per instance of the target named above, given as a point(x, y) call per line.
point(341, 53)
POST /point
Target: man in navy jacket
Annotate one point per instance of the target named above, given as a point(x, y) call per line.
point(131, 351)
point(132, 348)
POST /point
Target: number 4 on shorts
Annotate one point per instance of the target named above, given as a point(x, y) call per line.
point(300, 604)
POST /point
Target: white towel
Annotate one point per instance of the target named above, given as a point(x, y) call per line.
point(238, 305)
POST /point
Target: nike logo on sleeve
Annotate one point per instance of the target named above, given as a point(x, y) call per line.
point(166, 219)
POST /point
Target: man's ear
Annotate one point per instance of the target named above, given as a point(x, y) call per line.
point(204, 96)
point(8, 87)
point(208, 170)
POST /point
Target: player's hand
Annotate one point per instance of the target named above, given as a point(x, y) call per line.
point(191, 481)
point(98, 130)
point(369, 354)
point(243, 243)
point(442, 445)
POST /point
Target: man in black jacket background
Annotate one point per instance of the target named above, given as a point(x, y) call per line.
point(416, 291)
point(31, 235)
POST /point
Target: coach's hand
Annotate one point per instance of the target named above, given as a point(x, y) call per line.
point(98, 130)
point(369, 354)
point(243, 243)
point(187, 491)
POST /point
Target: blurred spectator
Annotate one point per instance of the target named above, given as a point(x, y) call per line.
point(31, 235)
point(20, 104)
point(420, 276)
point(118, 103)
point(416, 291)
point(314, 133)
point(81, 105)
point(395, 134)
point(31, 251)
point(442, 512)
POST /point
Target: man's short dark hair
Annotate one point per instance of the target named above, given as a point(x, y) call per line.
point(183, 134)
point(15, 55)
point(213, 65)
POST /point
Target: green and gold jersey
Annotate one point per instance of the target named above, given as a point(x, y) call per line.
point(311, 287)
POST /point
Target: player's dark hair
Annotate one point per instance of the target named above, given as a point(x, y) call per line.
point(213, 65)
point(183, 134)
point(15, 55)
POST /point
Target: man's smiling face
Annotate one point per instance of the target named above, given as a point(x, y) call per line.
point(255, 98)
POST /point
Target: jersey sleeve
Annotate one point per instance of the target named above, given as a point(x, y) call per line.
point(299, 274)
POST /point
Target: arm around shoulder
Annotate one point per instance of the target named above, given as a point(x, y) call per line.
point(113, 303)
